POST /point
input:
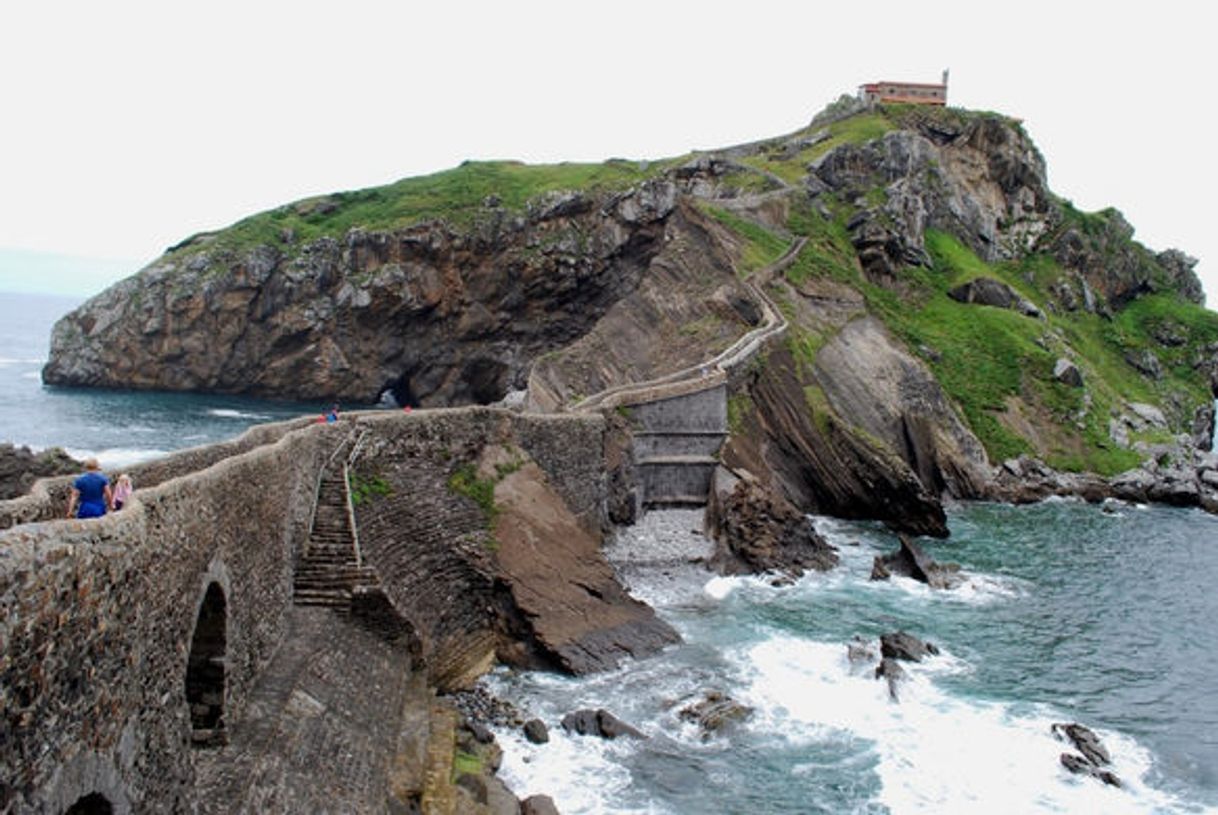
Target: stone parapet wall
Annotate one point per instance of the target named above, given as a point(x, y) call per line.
point(703, 410)
point(48, 499)
point(98, 617)
point(432, 548)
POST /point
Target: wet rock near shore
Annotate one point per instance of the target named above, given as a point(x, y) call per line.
point(538, 805)
point(20, 467)
point(535, 731)
point(1095, 757)
point(907, 647)
point(910, 561)
point(756, 530)
point(600, 722)
point(891, 672)
point(895, 647)
point(714, 713)
point(1175, 474)
point(480, 706)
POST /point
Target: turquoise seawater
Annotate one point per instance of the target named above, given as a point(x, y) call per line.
point(119, 427)
point(1070, 613)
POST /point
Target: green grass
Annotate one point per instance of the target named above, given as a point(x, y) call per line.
point(465, 481)
point(466, 764)
point(455, 196)
point(739, 408)
point(367, 487)
point(828, 252)
point(857, 129)
point(988, 358)
point(760, 246)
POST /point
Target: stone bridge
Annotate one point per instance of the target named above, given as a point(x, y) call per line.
point(173, 657)
point(154, 660)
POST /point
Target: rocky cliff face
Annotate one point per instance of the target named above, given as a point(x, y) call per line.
point(433, 315)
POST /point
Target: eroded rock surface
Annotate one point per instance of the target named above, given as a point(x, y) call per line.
point(910, 561)
point(756, 530)
point(20, 467)
point(818, 462)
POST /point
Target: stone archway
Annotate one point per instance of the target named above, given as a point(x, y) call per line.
point(92, 804)
point(205, 670)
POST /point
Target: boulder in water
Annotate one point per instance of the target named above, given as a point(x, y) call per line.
point(910, 561)
point(715, 712)
point(1094, 755)
point(538, 805)
point(599, 722)
point(1085, 740)
point(900, 645)
point(536, 731)
point(1081, 766)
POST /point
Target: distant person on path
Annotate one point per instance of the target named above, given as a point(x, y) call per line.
point(122, 492)
point(332, 413)
point(91, 491)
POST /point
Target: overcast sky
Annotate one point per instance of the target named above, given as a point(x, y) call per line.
point(125, 127)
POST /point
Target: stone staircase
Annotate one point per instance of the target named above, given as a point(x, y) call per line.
point(676, 446)
point(329, 570)
point(680, 419)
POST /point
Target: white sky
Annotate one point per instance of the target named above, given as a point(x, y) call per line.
point(125, 127)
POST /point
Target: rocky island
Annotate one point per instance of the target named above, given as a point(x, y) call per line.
point(946, 311)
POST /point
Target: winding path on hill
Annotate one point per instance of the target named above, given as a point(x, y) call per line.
point(711, 372)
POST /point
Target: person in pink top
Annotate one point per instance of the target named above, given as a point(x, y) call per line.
point(122, 492)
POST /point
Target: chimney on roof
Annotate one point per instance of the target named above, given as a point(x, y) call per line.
point(945, 70)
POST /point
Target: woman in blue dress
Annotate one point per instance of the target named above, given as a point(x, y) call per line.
point(91, 492)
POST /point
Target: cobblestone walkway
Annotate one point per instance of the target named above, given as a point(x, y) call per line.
point(320, 729)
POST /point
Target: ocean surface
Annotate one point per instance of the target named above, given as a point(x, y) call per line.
point(1070, 613)
point(119, 427)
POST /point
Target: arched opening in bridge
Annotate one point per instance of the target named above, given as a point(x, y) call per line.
point(92, 804)
point(205, 670)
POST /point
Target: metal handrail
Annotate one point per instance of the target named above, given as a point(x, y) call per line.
point(359, 556)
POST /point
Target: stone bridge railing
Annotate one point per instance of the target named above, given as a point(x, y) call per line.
point(100, 617)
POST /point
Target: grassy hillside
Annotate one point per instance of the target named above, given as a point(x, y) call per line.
point(454, 196)
point(997, 364)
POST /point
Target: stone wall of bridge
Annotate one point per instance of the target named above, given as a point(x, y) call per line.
point(97, 619)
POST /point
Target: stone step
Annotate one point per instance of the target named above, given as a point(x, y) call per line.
point(654, 501)
point(701, 461)
point(679, 432)
point(322, 597)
